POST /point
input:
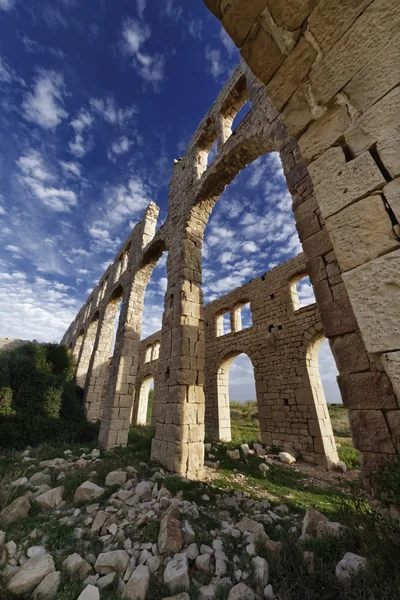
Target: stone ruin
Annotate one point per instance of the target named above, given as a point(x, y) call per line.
point(323, 79)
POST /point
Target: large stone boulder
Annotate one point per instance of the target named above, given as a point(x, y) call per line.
point(115, 561)
point(87, 491)
point(170, 535)
point(241, 592)
point(349, 565)
point(76, 566)
point(138, 584)
point(260, 571)
point(38, 479)
point(116, 478)
point(176, 574)
point(50, 499)
point(144, 490)
point(310, 522)
point(19, 509)
point(286, 458)
point(48, 587)
point(30, 575)
point(89, 593)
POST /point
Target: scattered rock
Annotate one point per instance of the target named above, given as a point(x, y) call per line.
point(258, 449)
point(76, 566)
point(286, 458)
point(89, 593)
point(182, 596)
point(87, 491)
point(310, 521)
point(35, 551)
point(38, 479)
point(19, 482)
point(263, 468)
point(245, 449)
point(19, 509)
point(176, 574)
point(50, 464)
point(170, 535)
point(350, 564)
point(115, 478)
point(144, 490)
point(115, 561)
point(234, 454)
point(31, 574)
point(241, 592)
point(138, 584)
point(329, 528)
point(261, 571)
point(50, 499)
point(48, 587)
point(268, 592)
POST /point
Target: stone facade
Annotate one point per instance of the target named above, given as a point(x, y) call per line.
point(314, 101)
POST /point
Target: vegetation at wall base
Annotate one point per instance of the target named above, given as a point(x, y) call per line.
point(39, 401)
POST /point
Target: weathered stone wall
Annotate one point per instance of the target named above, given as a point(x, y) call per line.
point(344, 189)
point(331, 70)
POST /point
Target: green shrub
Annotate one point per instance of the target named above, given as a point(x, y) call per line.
point(386, 481)
point(39, 402)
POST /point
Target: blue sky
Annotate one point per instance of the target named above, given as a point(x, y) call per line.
point(97, 100)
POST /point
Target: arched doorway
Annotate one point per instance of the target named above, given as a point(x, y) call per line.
point(144, 401)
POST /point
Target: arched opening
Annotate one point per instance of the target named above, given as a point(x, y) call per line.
point(153, 307)
point(144, 404)
point(320, 427)
point(235, 387)
point(117, 305)
point(302, 292)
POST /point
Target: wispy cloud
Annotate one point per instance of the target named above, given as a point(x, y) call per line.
point(38, 179)
point(79, 147)
point(71, 168)
point(7, 4)
point(44, 105)
point(216, 66)
point(140, 6)
point(119, 147)
point(6, 74)
point(171, 10)
point(150, 67)
point(108, 109)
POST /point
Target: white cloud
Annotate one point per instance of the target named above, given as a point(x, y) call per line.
point(71, 168)
point(7, 4)
point(216, 65)
point(196, 29)
point(44, 106)
point(34, 309)
point(119, 147)
point(226, 41)
point(140, 5)
point(249, 247)
point(37, 177)
point(6, 75)
point(79, 147)
point(102, 238)
point(134, 35)
point(171, 11)
point(12, 248)
point(125, 200)
point(107, 108)
point(2, 211)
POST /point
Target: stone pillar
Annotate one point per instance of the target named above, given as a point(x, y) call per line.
point(121, 384)
point(223, 416)
point(179, 436)
point(86, 353)
point(100, 363)
point(236, 319)
point(141, 402)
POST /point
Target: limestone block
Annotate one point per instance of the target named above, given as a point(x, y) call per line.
point(361, 232)
point(239, 17)
point(329, 21)
point(354, 49)
point(18, 509)
point(48, 588)
point(391, 362)
point(393, 419)
point(392, 194)
point(377, 78)
point(376, 125)
point(338, 318)
point(374, 291)
point(170, 536)
point(327, 165)
point(292, 13)
point(349, 353)
point(389, 152)
point(317, 244)
point(31, 574)
point(299, 111)
point(261, 53)
point(370, 431)
point(349, 565)
point(291, 73)
point(324, 132)
point(366, 390)
point(357, 178)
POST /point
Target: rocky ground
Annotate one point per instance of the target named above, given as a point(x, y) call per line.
point(89, 525)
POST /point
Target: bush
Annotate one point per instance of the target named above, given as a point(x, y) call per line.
point(39, 402)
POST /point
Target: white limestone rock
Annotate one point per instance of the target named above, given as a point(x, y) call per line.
point(263, 468)
point(138, 584)
point(310, 522)
point(207, 592)
point(30, 575)
point(203, 563)
point(48, 587)
point(50, 499)
point(268, 592)
point(245, 449)
point(19, 509)
point(350, 564)
point(241, 592)
point(114, 561)
point(115, 478)
point(233, 454)
point(325, 528)
point(19, 482)
point(144, 490)
point(176, 574)
point(76, 566)
point(35, 551)
point(89, 593)
point(87, 491)
point(38, 479)
point(261, 571)
point(192, 551)
point(286, 458)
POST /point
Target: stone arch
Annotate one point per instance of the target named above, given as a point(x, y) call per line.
point(140, 406)
point(87, 350)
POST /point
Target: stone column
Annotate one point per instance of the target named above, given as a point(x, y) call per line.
point(223, 420)
point(118, 404)
point(236, 319)
point(141, 402)
point(179, 436)
point(86, 353)
point(100, 363)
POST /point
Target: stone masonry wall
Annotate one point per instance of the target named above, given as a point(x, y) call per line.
point(339, 173)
